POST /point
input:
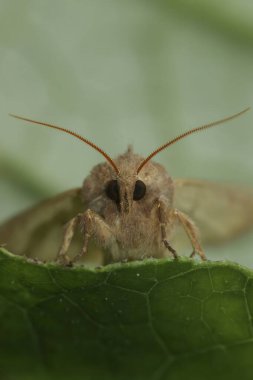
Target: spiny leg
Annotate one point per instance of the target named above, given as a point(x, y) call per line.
point(192, 232)
point(84, 248)
point(167, 244)
point(93, 225)
point(162, 220)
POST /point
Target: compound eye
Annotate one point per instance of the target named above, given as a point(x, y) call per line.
point(112, 190)
point(139, 190)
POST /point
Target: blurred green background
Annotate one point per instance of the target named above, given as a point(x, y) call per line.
point(121, 72)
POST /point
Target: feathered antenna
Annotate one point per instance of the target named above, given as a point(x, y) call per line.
point(187, 133)
point(94, 146)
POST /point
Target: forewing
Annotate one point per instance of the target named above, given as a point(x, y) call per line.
point(38, 231)
point(219, 211)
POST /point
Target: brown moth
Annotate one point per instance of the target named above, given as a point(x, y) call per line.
point(129, 206)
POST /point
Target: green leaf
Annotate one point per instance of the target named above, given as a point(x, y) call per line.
point(154, 319)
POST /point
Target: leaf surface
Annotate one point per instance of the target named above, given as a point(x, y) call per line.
point(155, 319)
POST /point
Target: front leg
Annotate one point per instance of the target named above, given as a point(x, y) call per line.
point(92, 225)
point(163, 221)
point(69, 231)
point(165, 217)
point(192, 232)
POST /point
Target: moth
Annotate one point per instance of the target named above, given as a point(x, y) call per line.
point(130, 207)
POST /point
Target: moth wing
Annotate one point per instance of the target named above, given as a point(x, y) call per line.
point(220, 211)
point(37, 232)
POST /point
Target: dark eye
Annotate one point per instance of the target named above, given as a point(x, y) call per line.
point(112, 190)
point(139, 190)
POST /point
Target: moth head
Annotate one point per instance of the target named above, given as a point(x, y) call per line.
point(119, 191)
point(127, 187)
point(125, 194)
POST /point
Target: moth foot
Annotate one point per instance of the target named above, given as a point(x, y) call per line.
point(169, 247)
point(200, 253)
point(192, 254)
point(64, 261)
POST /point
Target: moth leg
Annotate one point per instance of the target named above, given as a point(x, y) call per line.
point(93, 225)
point(192, 232)
point(162, 217)
point(86, 238)
point(70, 228)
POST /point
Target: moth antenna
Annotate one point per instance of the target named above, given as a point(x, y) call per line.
point(94, 146)
point(187, 133)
